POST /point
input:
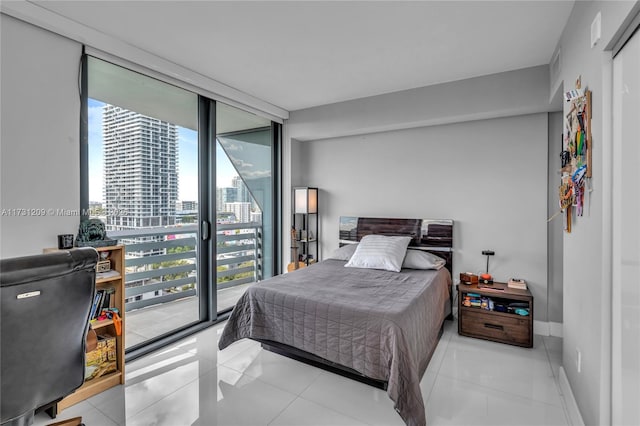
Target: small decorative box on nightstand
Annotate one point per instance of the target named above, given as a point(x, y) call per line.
point(496, 313)
point(468, 278)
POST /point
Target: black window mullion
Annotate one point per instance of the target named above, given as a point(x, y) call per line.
point(276, 167)
point(207, 208)
point(84, 137)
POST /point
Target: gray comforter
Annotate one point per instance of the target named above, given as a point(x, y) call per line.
point(385, 325)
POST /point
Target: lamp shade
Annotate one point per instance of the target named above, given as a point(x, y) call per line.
point(305, 200)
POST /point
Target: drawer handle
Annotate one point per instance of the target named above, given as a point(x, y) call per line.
point(494, 326)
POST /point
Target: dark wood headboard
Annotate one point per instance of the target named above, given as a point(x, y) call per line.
point(434, 236)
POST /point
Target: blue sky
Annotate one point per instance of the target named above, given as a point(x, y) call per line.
point(187, 165)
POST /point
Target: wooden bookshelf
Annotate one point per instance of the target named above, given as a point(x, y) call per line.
point(111, 280)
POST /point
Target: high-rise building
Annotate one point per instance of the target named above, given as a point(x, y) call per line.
point(241, 210)
point(140, 181)
point(224, 196)
point(256, 216)
point(189, 205)
point(140, 169)
point(186, 212)
point(242, 192)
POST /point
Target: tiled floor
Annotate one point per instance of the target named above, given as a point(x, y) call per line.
point(468, 382)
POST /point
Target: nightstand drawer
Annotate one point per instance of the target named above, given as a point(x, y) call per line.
point(503, 328)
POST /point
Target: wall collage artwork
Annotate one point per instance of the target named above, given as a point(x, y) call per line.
point(576, 155)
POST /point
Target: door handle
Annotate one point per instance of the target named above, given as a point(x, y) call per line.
point(204, 230)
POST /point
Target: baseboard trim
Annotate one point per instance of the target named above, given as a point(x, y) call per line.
point(555, 329)
point(544, 328)
point(570, 402)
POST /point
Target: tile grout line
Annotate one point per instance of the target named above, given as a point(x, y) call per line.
point(437, 372)
point(158, 400)
point(386, 396)
point(282, 411)
point(174, 347)
point(309, 385)
point(511, 394)
point(296, 395)
point(109, 417)
point(331, 408)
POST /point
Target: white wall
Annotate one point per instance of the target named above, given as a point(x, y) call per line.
point(39, 140)
point(587, 255)
point(555, 227)
point(518, 92)
point(489, 176)
point(368, 165)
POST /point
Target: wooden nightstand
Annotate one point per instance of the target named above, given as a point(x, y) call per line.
point(503, 327)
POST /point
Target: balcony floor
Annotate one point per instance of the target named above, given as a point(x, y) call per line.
point(152, 321)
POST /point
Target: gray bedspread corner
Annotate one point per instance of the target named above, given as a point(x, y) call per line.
point(404, 388)
point(241, 320)
point(385, 325)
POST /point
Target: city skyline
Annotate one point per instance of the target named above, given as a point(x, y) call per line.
point(187, 156)
point(140, 173)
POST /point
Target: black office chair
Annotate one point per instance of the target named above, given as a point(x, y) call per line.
point(44, 316)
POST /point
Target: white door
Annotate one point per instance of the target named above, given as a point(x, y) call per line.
point(626, 235)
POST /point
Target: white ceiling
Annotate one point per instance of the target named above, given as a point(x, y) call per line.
point(300, 54)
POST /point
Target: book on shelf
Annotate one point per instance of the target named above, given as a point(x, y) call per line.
point(106, 300)
point(102, 300)
point(99, 305)
point(517, 283)
point(94, 305)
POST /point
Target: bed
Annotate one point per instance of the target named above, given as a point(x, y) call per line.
point(377, 326)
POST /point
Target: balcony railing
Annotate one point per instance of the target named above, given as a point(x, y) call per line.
point(160, 263)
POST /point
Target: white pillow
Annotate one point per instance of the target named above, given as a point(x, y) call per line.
point(380, 252)
point(344, 253)
point(419, 259)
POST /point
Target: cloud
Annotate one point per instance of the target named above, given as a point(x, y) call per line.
point(240, 164)
point(187, 136)
point(228, 146)
point(258, 174)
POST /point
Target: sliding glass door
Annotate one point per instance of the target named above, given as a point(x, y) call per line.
point(189, 186)
point(244, 202)
point(143, 184)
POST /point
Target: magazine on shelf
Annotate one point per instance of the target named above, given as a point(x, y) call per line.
point(517, 283)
